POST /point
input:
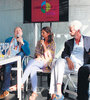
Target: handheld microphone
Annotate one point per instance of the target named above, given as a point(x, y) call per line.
point(17, 35)
point(42, 38)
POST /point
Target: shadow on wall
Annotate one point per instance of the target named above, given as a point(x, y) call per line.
point(86, 30)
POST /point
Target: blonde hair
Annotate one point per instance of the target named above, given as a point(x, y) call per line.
point(77, 24)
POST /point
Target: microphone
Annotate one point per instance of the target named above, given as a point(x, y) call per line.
point(42, 38)
point(17, 38)
point(17, 35)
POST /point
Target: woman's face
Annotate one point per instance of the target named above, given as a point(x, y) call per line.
point(44, 34)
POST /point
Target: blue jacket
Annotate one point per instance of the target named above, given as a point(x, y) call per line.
point(69, 48)
point(25, 48)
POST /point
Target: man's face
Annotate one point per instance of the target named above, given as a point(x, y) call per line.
point(18, 31)
point(73, 32)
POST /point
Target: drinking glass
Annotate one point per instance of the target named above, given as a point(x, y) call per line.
point(1, 50)
point(6, 47)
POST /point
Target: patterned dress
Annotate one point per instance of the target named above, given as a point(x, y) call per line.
point(40, 51)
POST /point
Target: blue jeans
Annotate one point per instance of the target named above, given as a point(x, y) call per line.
point(7, 71)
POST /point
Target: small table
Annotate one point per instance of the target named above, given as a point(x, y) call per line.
point(10, 60)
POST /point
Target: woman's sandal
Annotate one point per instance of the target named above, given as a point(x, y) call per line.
point(14, 88)
point(33, 96)
point(53, 96)
point(58, 97)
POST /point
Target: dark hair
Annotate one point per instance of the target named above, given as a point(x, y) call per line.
point(48, 30)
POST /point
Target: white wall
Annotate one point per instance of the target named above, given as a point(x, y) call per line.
point(11, 15)
point(78, 10)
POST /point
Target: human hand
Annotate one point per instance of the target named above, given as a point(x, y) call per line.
point(8, 52)
point(70, 63)
point(42, 42)
point(20, 40)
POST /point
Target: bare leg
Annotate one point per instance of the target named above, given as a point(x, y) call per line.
point(33, 96)
point(59, 89)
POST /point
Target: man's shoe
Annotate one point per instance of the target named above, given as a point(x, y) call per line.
point(4, 94)
point(58, 97)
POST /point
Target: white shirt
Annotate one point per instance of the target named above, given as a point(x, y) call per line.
point(77, 53)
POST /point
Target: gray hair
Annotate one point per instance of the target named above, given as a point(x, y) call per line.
point(77, 24)
point(17, 27)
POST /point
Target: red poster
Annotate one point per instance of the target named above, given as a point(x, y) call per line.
point(44, 10)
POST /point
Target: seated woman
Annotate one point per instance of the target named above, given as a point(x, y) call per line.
point(44, 54)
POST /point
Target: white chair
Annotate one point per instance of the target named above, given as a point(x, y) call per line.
point(26, 59)
point(70, 82)
point(73, 82)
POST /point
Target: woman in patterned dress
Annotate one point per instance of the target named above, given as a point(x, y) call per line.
point(44, 54)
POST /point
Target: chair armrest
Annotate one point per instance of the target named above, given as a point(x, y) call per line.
point(26, 59)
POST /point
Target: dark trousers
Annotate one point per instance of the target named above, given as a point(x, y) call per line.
point(83, 83)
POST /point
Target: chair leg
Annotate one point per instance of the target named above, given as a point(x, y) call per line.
point(26, 85)
point(65, 87)
point(72, 82)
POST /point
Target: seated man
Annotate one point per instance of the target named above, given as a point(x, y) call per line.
point(18, 46)
point(83, 83)
point(74, 56)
